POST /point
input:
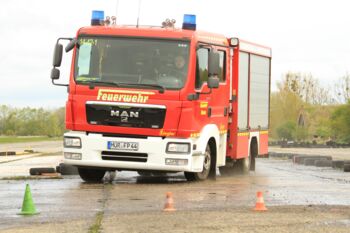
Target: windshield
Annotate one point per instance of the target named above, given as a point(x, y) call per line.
point(132, 61)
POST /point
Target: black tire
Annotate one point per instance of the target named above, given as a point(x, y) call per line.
point(338, 164)
point(40, 170)
point(346, 167)
point(310, 161)
point(243, 166)
point(227, 171)
point(154, 174)
point(253, 154)
point(90, 175)
point(190, 176)
point(299, 159)
point(143, 173)
point(199, 176)
point(323, 163)
point(7, 153)
point(66, 169)
point(58, 169)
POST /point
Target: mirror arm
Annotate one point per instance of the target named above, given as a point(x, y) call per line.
point(58, 84)
point(205, 93)
point(64, 38)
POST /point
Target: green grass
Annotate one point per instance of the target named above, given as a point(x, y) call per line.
point(14, 139)
point(96, 228)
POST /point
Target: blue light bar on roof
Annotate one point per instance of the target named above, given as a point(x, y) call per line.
point(189, 22)
point(97, 18)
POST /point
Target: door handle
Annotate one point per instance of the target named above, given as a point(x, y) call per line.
point(209, 111)
point(225, 111)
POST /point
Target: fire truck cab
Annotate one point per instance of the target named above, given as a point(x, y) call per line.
point(164, 99)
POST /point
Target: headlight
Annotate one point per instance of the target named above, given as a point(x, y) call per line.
point(177, 147)
point(72, 142)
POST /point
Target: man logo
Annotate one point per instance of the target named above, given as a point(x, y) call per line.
point(124, 115)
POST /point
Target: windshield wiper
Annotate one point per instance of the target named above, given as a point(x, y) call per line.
point(160, 88)
point(92, 84)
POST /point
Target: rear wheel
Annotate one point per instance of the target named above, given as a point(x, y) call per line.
point(198, 176)
point(247, 164)
point(91, 175)
point(242, 166)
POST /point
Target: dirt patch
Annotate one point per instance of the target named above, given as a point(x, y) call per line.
point(276, 219)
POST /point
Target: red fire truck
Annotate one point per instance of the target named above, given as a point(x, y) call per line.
point(163, 99)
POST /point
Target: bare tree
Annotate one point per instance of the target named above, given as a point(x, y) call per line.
point(342, 89)
point(306, 87)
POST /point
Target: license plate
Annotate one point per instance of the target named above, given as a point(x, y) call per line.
point(133, 146)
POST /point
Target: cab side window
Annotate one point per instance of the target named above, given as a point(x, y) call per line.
point(222, 75)
point(202, 67)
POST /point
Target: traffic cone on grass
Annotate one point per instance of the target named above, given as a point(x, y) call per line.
point(260, 205)
point(28, 207)
point(169, 205)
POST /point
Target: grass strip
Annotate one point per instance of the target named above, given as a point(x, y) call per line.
point(96, 227)
point(13, 139)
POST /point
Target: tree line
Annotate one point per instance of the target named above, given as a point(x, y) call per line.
point(303, 110)
point(31, 121)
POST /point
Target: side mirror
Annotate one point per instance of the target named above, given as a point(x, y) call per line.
point(213, 82)
point(214, 63)
point(57, 55)
point(55, 74)
point(71, 45)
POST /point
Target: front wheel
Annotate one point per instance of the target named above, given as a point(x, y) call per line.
point(199, 176)
point(91, 175)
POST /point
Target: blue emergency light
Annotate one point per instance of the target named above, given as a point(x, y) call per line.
point(97, 18)
point(189, 22)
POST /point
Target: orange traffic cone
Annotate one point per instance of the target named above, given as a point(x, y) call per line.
point(169, 205)
point(260, 205)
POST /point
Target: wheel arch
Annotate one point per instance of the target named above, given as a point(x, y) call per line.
point(210, 133)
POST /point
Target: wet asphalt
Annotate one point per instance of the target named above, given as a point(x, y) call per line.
point(70, 199)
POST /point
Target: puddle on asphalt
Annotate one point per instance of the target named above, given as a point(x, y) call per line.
point(339, 222)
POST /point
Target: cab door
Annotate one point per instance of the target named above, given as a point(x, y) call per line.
point(214, 103)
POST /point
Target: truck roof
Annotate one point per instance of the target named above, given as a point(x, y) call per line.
point(154, 31)
point(172, 33)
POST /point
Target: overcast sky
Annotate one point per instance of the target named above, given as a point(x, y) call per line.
point(309, 36)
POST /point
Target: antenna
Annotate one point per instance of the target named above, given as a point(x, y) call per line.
point(117, 8)
point(138, 14)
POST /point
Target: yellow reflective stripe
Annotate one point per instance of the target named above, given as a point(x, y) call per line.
point(243, 134)
point(194, 135)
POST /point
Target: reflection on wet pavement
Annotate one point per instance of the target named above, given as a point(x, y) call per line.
point(282, 183)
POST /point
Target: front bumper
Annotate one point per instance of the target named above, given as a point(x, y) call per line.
point(94, 145)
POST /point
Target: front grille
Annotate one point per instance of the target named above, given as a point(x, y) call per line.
point(124, 156)
point(125, 115)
